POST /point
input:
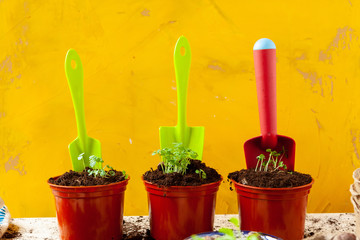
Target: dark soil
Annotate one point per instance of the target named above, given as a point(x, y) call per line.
point(137, 236)
point(73, 178)
point(12, 232)
point(275, 179)
point(135, 230)
point(191, 178)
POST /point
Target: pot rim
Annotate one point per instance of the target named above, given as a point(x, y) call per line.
point(153, 185)
point(85, 187)
point(272, 189)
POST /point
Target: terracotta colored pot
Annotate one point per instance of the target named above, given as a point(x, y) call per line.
point(177, 212)
point(277, 211)
point(94, 212)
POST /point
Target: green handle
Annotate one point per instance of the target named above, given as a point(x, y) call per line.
point(75, 76)
point(182, 61)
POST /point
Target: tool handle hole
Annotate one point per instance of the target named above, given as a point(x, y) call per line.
point(182, 51)
point(73, 64)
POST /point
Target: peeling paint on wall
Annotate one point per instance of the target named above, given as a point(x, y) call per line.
point(319, 126)
point(314, 79)
point(302, 57)
point(214, 65)
point(324, 85)
point(6, 65)
point(342, 40)
point(145, 12)
point(353, 140)
point(14, 164)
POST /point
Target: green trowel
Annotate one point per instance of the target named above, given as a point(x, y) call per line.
point(191, 137)
point(83, 143)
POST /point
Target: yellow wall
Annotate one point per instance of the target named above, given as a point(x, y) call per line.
point(126, 48)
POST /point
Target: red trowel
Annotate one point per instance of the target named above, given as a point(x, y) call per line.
point(265, 73)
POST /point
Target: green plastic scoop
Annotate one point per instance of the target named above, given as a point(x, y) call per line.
point(83, 143)
point(191, 137)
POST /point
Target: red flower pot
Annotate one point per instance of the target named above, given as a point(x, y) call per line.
point(177, 212)
point(94, 212)
point(276, 211)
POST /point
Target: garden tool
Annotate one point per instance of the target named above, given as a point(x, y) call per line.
point(265, 73)
point(191, 137)
point(83, 143)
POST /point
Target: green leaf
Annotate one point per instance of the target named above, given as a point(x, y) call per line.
point(92, 163)
point(175, 159)
point(235, 221)
point(81, 156)
point(93, 160)
point(227, 231)
point(274, 158)
point(254, 236)
point(125, 174)
point(102, 173)
point(109, 167)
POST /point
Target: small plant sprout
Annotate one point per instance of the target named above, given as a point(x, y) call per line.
point(125, 174)
point(230, 234)
point(81, 158)
point(93, 160)
point(260, 159)
point(175, 159)
point(94, 170)
point(202, 174)
point(273, 163)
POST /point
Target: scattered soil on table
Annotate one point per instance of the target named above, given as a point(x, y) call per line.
point(138, 236)
point(274, 179)
point(314, 227)
point(73, 178)
point(12, 232)
point(191, 178)
point(135, 230)
point(325, 228)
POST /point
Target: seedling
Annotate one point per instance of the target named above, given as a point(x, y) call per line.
point(230, 234)
point(175, 159)
point(273, 163)
point(104, 172)
point(125, 174)
point(202, 174)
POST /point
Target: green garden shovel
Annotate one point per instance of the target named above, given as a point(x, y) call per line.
point(83, 143)
point(191, 137)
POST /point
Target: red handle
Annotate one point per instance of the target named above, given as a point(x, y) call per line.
point(265, 73)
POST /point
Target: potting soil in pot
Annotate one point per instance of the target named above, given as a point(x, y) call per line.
point(191, 178)
point(73, 178)
point(274, 179)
